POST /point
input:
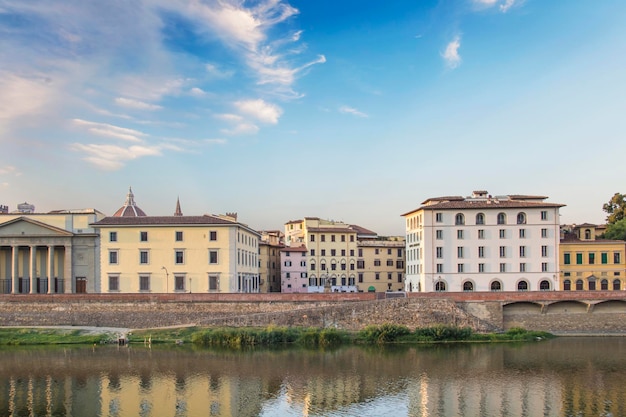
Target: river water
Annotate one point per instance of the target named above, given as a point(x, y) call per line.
point(560, 377)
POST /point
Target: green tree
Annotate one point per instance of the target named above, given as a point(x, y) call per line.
point(616, 208)
point(616, 231)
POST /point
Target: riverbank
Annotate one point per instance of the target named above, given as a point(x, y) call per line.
point(230, 337)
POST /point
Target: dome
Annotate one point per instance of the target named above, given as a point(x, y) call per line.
point(129, 209)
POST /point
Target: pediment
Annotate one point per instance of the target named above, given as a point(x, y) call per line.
point(24, 227)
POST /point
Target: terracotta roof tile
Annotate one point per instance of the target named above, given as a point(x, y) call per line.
point(162, 221)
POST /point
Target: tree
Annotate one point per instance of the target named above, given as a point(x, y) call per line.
point(616, 208)
point(616, 231)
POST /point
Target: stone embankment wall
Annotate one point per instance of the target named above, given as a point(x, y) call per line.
point(350, 313)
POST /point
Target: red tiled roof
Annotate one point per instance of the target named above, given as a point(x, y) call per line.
point(331, 230)
point(129, 211)
point(485, 204)
point(294, 249)
point(162, 221)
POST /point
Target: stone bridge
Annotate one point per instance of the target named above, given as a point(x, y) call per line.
point(576, 312)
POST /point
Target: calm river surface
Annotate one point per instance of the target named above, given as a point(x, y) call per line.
point(561, 377)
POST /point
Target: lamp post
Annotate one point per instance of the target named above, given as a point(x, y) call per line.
point(167, 279)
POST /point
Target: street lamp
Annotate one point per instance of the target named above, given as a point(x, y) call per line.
point(167, 279)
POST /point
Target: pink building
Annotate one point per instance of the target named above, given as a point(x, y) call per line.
point(293, 275)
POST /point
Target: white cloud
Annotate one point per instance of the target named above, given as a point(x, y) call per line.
point(215, 72)
point(260, 110)
point(451, 54)
point(242, 129)
point(507, 5)
point(107, 130)
point(197, 92)
point(504, 5)
point(112, 157)
point(22, 96)
point(135, 104)
point(229, 117)
point(10, 170)
point(351, 110)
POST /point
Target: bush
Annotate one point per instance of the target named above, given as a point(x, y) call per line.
point(383, 334)
point(441, 333)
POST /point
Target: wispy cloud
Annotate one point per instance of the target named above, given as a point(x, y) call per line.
point(352, 111)
point(197, 92)
point(242, 129)
point(136, 104)
point(503, 5)
point(260, 110)
point(451, 54)
point(229, 117)
point(113, 157)
point(111, 131)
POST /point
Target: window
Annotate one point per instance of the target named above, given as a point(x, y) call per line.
point(114, 283)
point(302, 263)
point(566, 258)
point(343, 252)
point(544, 267)
point(287, 253)
point(323, 266)
point(143, 236)
point(389, 251)
point(521, 218)
point(480, 218)
point(439, 252)
point(399, 276)
point(287, 263)
point(522, 233)
point(459, 234)
point(604, 257)
point(579, 285)
point(312, 266)
point(616, 257)
point(302, 274)
point(213, 257)
point(481, 233)
point(389, 276)
point(522, 251)
point(460, 267)
point(587, 234)
point(579, 259)
point(360, 264)
point(439, 268)
point(604, 285)
point(389, 262)
point(501, 218)
point(312, 238)
point(468, 286)
point(592, 258)
point(522, 286)
point(143, 257)
point(400, 253)
point(312, 252)
point(481, 251)
point(459, 252)
point(343, 238)
point(376, 251)
point(496, 286)
point(616, 284)
point(567, 285)
point(438, 217)
point(287, 274)
point(323, 252)
point(351, 238)
point(439, 234)
point(544, 251)
point(333, 252)
point(544, 232)
point(179, 257)
point(502, 233)
point(399, 264)
point(376, 262)
point(113, 257)
point(360, 277)
point(481, 267)
point(522, 267)
point(544, 215)
point(459, 219)
point(144, 283)
point(351, 252)
point(179, 236)
point(213, 282)
point(332, 238)
point(112, 236)
point(440, 286)
point(323, 238)
point(502, 251)
point(343, 267)
point(179, 282)
point(544, 285)
point(360, 253)
point(377, 276)
point(502, 267)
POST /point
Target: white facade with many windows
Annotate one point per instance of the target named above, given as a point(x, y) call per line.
point(482, 243)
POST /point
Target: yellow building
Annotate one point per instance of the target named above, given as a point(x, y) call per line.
point(165, 254)
point(588, 263)
point(49, 253)
point(380, 264)
point(269, 260)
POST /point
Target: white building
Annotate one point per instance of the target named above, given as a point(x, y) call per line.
point(482, 243)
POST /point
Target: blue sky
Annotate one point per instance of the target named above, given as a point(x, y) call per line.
point(346, 110)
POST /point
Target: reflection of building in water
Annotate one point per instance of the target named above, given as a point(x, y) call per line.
point(495, 394)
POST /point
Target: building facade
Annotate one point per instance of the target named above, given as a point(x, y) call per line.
point(483, 243)
point(380, 264)
point(591, 264)
point(269, 260)
point(293, 269)
point(49, 253)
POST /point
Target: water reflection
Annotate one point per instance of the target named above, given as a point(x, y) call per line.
point(563, 377)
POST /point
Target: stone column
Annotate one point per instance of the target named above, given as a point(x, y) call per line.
point(15, 270)
point(67, 269)
point(33, 269)
point(50, 269)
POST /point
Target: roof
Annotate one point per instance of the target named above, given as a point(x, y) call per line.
point(362, 230)
point(331, 230)
point(129, 209)
point(294, 249)
point(576, 241)
point(163, 221)
point(485, 204)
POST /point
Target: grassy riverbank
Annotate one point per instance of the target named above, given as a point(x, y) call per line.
point(234, 338)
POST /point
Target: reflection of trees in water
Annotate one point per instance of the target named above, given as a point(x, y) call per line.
point(559, 377)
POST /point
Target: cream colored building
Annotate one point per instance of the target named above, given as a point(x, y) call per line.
point(269, 260)
point(380, 264)
point(49, 253)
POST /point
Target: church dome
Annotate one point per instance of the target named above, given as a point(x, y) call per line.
point(129, 209)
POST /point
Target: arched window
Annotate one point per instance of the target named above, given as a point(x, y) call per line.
point(501, 218)
point(440, 286)
point(480, 218)
point(567, 285)
point(522, 286)
point(579, 285)
point(459, 219)
point(312, 281)
point(604, 285)
point(587, 234)
point(496, 286)
point(521, 218)
point(544, 285)
point(592, 283)
point(616, 285)
point(468, 286)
